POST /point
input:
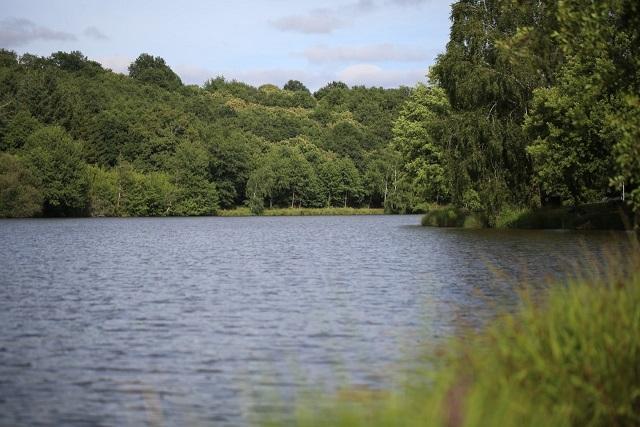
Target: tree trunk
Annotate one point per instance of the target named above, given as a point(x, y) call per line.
point(117, 212)
point(386, 191)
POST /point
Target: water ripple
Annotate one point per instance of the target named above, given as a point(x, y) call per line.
point(117, 322)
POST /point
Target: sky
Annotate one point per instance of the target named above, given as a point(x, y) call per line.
point(360, 42)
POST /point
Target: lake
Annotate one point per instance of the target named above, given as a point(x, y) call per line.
point(211, 321)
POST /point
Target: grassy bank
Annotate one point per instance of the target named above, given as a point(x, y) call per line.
point(302, 212)
point(572, 359)
point(595, 216)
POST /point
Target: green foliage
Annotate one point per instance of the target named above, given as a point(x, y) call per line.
point(346, 138)
point(234, 88)
point(20, 195)
point(231, 160)
point(595, 216)
point(342, 182)
point(285, 177)
point(572, 162)
point(498, 53)
point(450, 216)
point(104, 192)
point(334, 93)
point(8, 58)
point(18, 130)
point(75, 62)
point(152, 69)
point(586, 126)
point(382, 176)
point(195, 194)
point(419, 136)
point(295, 86)
point(123, 191)
point(57, 162)
point(150, 146)
point(110, 136)
point(627, 149)
point(541, 108)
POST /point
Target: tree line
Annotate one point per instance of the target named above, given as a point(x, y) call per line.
point(533, 103)
point(77, 139)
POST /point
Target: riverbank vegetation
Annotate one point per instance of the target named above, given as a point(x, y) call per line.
point(531, 104)
point(613, 215)
point(568, 358)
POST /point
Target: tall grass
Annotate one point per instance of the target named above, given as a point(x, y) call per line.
point(570, 359)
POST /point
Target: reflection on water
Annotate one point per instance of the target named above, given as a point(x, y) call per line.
point(202, 320)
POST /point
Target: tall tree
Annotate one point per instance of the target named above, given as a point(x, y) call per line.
point(586, 126)
point(420, 137)
point(57, 162)
point(195, 194)
point(154, 70)
point(498, 53)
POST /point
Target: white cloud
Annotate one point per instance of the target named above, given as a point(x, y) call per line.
point(193, 74)
point(362, 6)
point(317, 21)
point(278, 76)
point(408, 2)
point(19, 32)
point(324, 20)
point(359, 74)
point(94, 33)
point(369, 53)
point(117, 63)
point(373, 75)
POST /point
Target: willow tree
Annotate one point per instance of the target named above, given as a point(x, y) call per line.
point(499, 52)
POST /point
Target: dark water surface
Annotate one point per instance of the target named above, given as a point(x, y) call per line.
point(203, 321)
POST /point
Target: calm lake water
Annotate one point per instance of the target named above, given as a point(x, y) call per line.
point(210, 321)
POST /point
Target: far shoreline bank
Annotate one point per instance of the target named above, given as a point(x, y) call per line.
point(245, 212)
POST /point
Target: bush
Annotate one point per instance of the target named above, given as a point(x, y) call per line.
point(20, 195)
point(596, 216)
point(450, 216)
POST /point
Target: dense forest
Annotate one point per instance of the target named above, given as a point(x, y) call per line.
point(532, 103)
point(77, 139)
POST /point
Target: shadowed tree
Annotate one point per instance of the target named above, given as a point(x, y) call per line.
point(295, 86)
point(57, 162)
point(19, 193)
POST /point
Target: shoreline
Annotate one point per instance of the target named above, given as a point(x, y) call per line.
point(593, 216)
point(244, 212)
